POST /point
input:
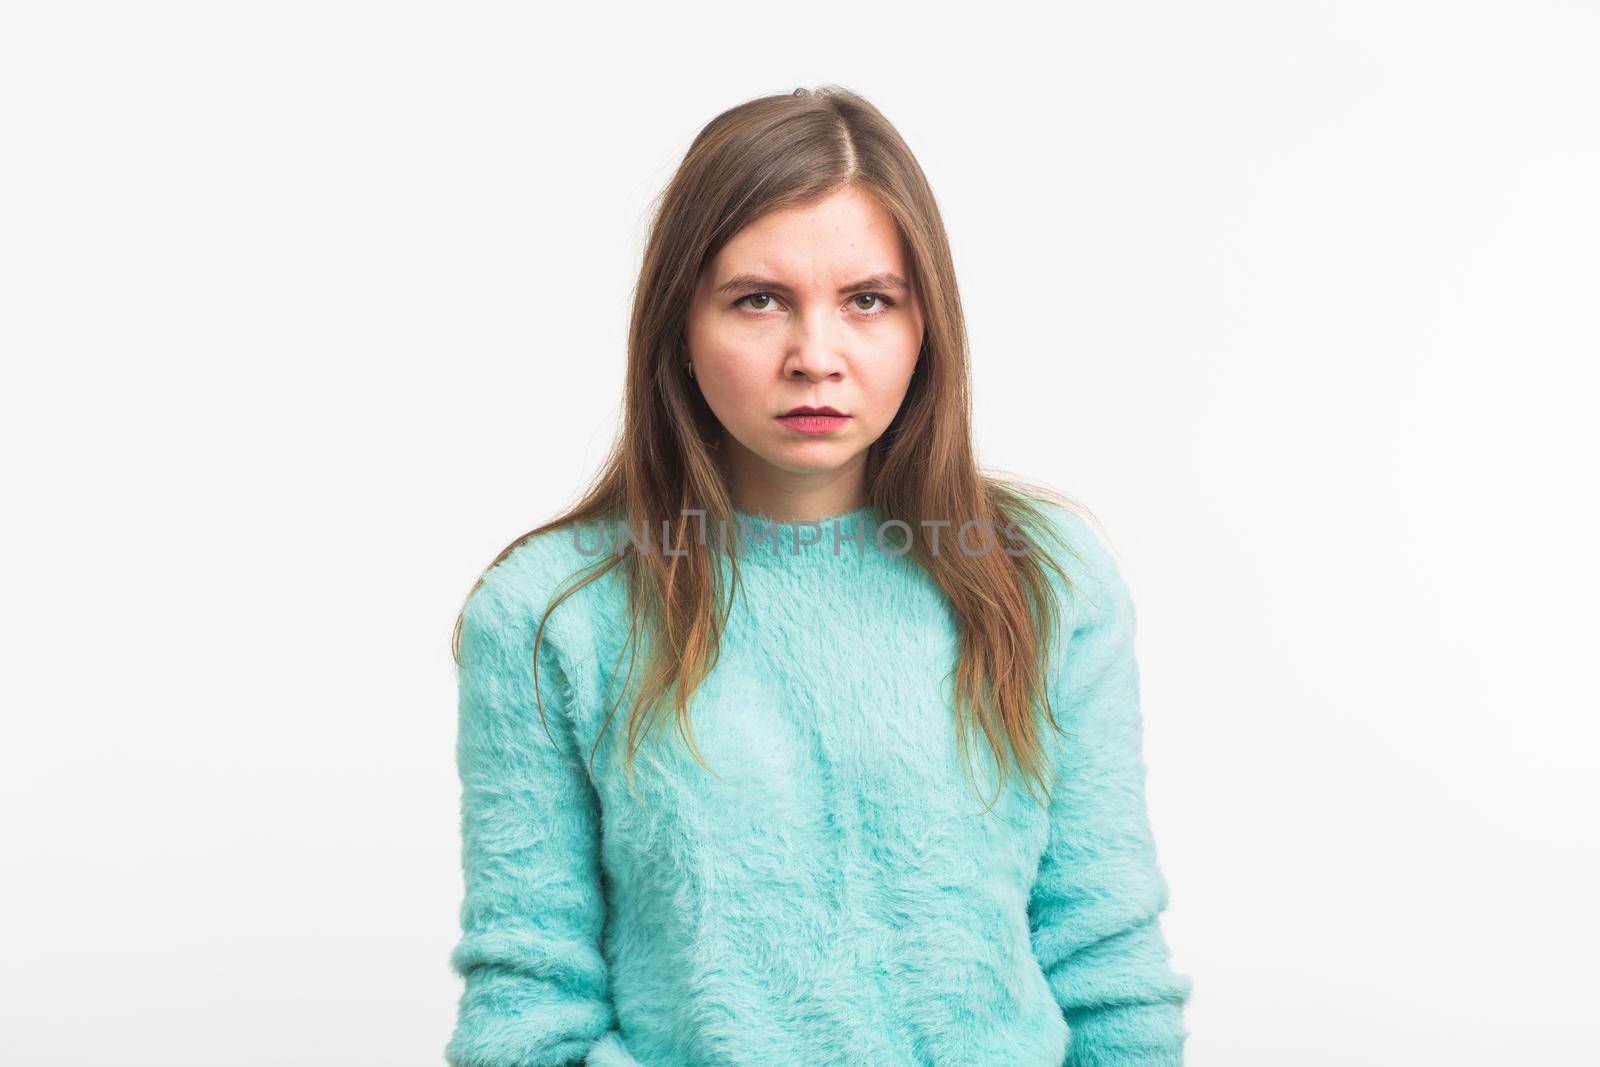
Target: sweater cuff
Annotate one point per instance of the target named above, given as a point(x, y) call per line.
point(1127, 1035)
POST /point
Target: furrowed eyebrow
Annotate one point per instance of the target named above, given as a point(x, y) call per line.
point(756, 282)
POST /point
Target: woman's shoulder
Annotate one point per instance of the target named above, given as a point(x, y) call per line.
point(537, 562)
point(1058, 521)
point(1074, 536)
point(516, 589)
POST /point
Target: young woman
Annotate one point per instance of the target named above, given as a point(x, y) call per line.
point(717, 721)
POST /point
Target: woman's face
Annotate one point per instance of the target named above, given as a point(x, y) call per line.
point(806, 306)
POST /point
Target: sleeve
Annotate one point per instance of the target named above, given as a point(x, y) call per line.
point(1095, 906)
point(536, 987)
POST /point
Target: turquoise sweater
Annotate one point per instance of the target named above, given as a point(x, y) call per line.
point(837, 897)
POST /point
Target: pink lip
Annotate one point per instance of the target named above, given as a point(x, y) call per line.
point(814, 424)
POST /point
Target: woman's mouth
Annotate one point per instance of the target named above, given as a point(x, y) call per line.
point(809, 420)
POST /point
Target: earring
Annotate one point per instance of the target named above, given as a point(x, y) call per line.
point(691, 369)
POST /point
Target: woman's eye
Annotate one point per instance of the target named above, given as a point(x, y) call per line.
point(884, 303)
point(756, 296)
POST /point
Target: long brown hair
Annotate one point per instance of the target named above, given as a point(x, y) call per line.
point(768, 153)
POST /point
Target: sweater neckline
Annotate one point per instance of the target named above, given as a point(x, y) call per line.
point(842, 538)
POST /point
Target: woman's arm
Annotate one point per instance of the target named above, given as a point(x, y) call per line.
point(536, 986)
point(1098, 894)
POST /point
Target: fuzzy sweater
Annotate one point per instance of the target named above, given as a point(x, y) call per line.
point(833, 893)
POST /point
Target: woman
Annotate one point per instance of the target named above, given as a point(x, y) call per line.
point(792, 556)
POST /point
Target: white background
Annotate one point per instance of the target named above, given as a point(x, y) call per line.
point(309, 308)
